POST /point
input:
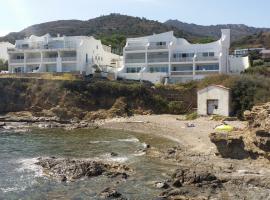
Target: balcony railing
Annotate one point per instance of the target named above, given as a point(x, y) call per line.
point(49, 59)
point(210, 58)
point(33, 60)
point(206, 72)
point(157, 60)
point(17, 61)
point(158, 47)
point(177, 73)
point(135, 60)
point(190, 59)
point(134, 48)
point(69, 59)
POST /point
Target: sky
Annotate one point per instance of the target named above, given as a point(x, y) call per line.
point(16, 15)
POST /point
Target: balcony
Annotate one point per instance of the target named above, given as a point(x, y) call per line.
point(49, 59)
point(207, 72)
point(135, 60)
point(15, 61)
point(156, 47)
point(135, 48)
point(181, 73)
point(210, 58)
point(158, 60)
point(33, 60)
point(189, 59)
point(69, 59)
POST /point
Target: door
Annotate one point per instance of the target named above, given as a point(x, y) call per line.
point(212, 106)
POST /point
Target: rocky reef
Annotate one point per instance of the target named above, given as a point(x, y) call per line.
point(65, 169)
point(252, 142)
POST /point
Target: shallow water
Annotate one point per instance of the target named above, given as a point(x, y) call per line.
point(20, 178)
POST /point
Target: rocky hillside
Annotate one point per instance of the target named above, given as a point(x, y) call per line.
point(113, 30)
point(101, 26)
point(261, 39)
point(238, 31)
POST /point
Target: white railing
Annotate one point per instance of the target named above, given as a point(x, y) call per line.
point(69, 59)
point(158, 47)
point(205, 72)
point(49, 59)
point(210, 58)
point(157, 60)
point(135, 60)
point(181, 72)
point(182, 59)
point(33, 60)
point(17, 61)
point(134, 48)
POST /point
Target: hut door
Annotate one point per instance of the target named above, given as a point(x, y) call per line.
point(212, 107)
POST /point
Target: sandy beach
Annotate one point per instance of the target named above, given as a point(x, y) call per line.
point(173, 127)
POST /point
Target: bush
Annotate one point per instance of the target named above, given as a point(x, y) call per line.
point(176, 107)
point(192, 116)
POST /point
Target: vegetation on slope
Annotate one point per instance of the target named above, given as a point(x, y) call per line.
point(261, 39)
point(3, 65)
point(67, 99)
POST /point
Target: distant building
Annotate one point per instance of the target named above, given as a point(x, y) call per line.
point(3, 50)
point(245, 52)
point(214, 100)
point(238, 64)
point(79, 54)
point(165, 58)
point(265, 53)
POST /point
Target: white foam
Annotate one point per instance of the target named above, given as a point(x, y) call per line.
point(118, 159)
point(139, 154)
point(28, 165)
point(129, 140)
point(97, 142)
point(12, 189)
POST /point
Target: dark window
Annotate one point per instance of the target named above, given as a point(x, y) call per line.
point(86, 58)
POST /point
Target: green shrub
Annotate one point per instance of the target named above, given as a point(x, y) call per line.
point(176, 107)
point(192, 116)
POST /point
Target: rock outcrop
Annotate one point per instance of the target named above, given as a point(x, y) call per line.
point(72, 169)
point(253, 142)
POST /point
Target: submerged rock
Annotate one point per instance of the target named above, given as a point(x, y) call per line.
point(72, 169)
point(111, 193)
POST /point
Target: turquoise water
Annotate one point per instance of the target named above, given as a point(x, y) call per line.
point(20, 178)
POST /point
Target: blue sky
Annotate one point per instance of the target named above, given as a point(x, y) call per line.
point(16, 15)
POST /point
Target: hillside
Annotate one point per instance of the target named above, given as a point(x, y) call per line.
point(261, 39)
point(111, 28)
point(238, 31)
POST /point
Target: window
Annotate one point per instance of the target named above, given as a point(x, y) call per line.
point(212, 54)
point(97, 47)
point(161, 43)
point(133, 69)
point(20, 57)
point(179, 68)
point(154, 69)
point(207, 67)
point(86, 58)
point(208, 54)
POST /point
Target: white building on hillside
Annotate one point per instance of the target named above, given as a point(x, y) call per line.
point(163, 57)
point(79, 54)
point(3, 50)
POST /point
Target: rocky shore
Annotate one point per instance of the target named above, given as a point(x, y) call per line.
point(225, 169)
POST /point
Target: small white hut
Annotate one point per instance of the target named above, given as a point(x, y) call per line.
point(214, 100)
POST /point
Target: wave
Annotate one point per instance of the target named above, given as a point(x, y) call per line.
point(97, 142)
point(129, 140)
point(28, 165)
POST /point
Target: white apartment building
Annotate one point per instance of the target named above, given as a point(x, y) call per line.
point(3, 50)
point(79, 54)
point(163, 57)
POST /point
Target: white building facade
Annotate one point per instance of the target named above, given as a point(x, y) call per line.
point(78, 54)
point(3, 50)
point(214, 100)
point(165, 58)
